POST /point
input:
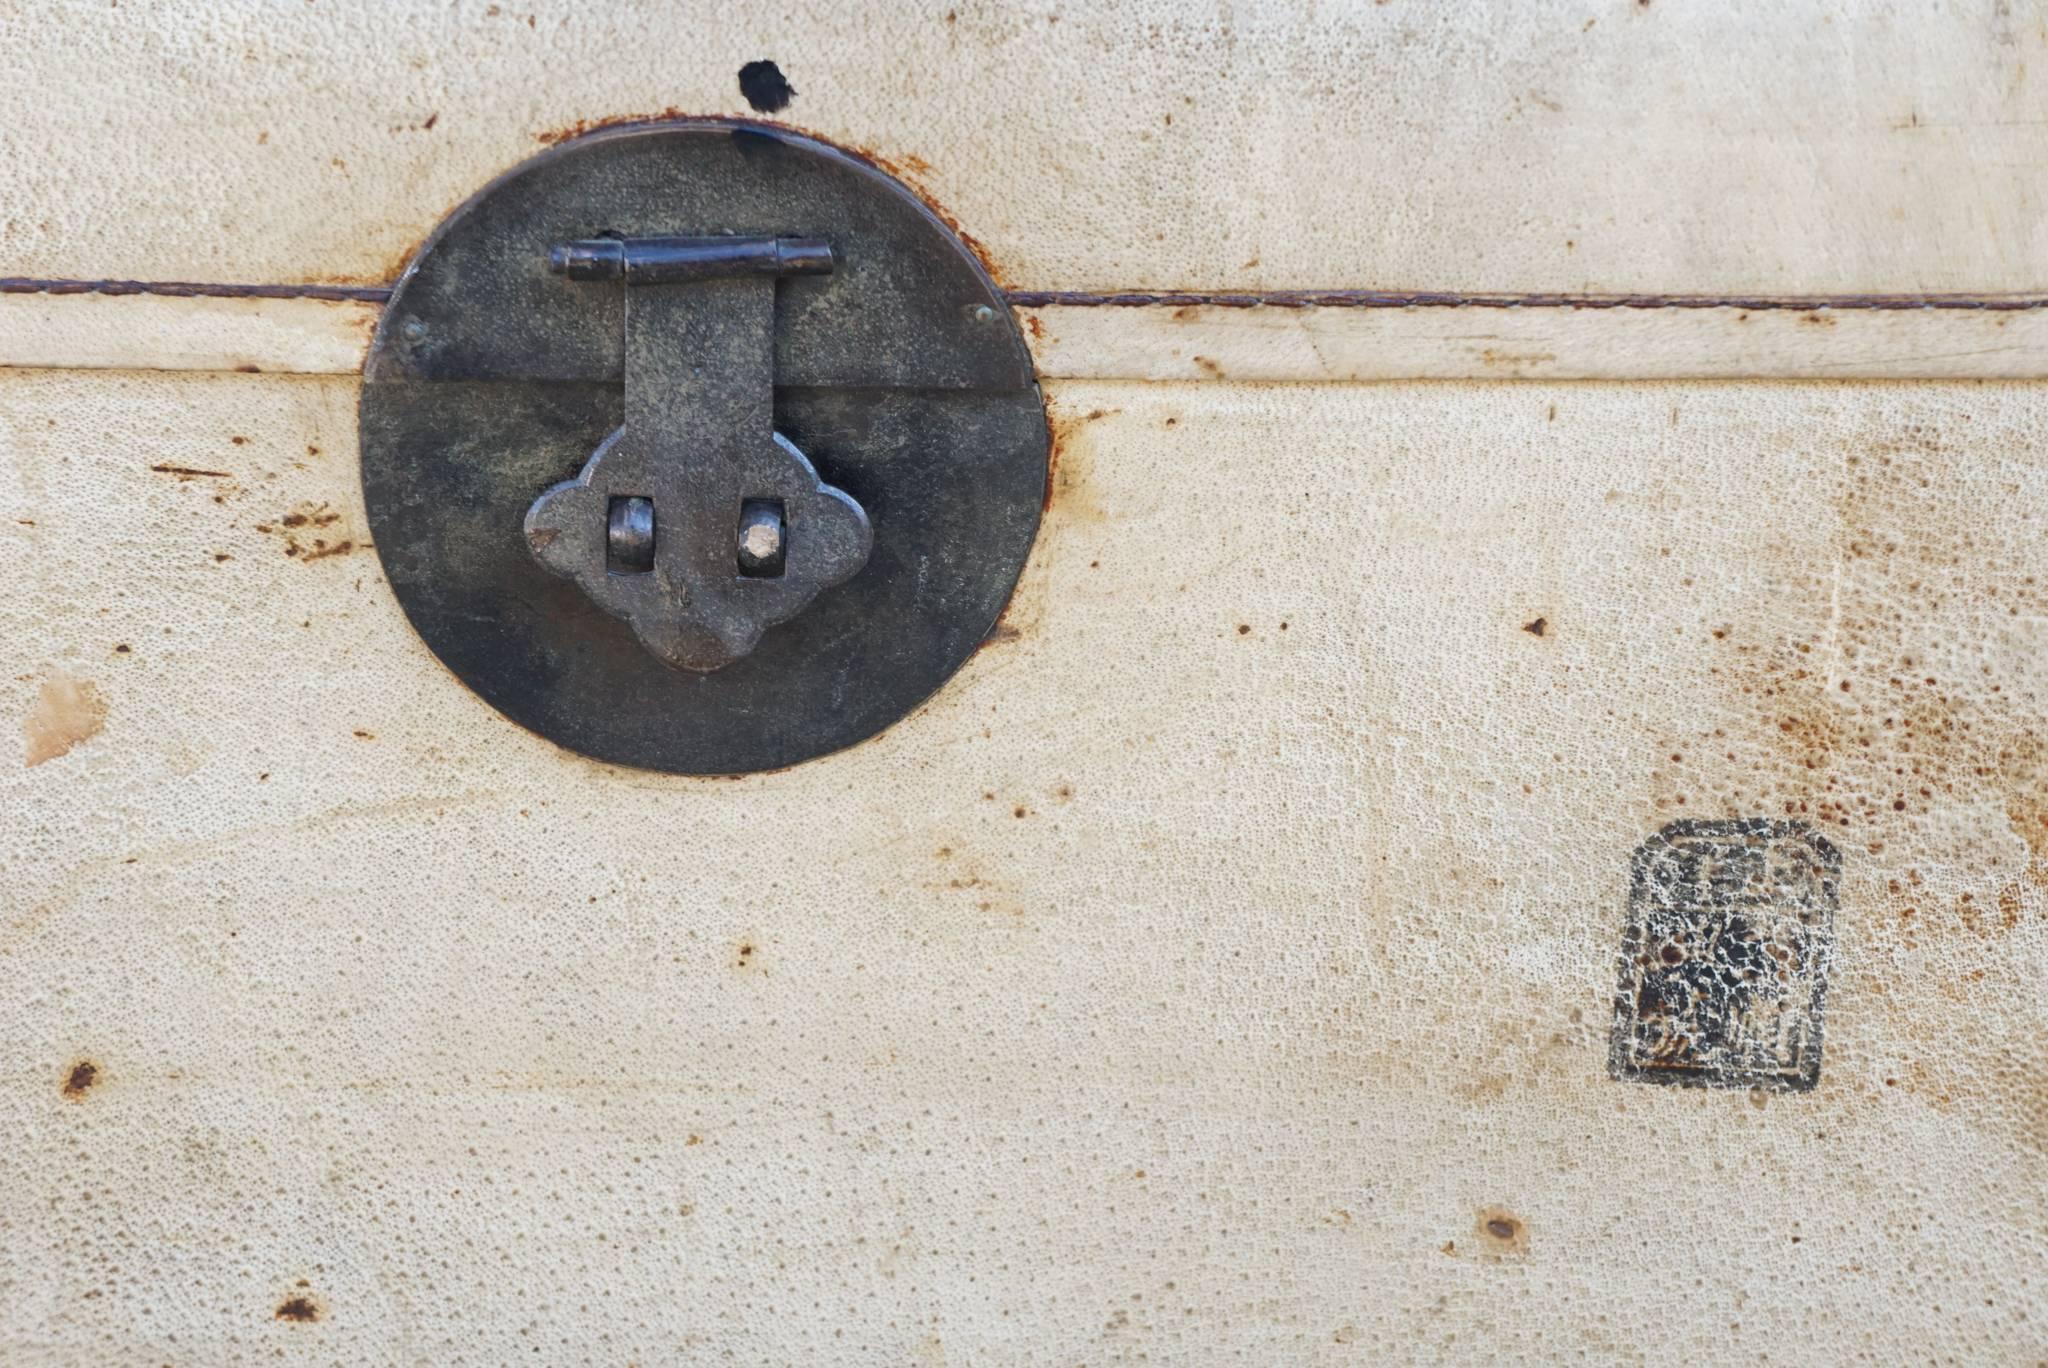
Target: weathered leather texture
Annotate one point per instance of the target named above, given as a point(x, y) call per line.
point(1208, 973)
point(1223, 967)
point(1564, 145)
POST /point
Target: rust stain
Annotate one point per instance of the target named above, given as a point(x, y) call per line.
point(68, 712)
point(311, 533)
point(598, 123)
point(2028, 818)
point(1054, 440)
point(1065, 465)
point(1065, 488)
point(964, 874)
point(376, 284)
point(299, 1308)
point(1896, 712)
point(907, 168)
point(1501, 1233)
point(79, 1079)
point(1865, 722)
point(321, 550)
point(379, 280)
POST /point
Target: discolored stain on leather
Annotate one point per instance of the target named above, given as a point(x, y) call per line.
point(312, 530)
point(1724, 964)
point(80, 1079)
point(1500, 1233)
point(67, 713)
point(300, 1308)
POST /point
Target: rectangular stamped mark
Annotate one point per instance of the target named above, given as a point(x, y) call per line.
point(1725, 961)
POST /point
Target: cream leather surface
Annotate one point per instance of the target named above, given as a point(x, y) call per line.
point(1219, 969)
point(1169, 343)
point(1568, 145)
point(1164, 988)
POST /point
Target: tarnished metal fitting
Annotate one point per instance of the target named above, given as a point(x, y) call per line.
point(788, 445)
point(674, 260)
point(700, 376)
point(629, 540)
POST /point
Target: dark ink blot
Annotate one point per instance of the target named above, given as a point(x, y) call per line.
point(299, 1309)
point(765, 87)
point(83, 1075)
point(1724, 966)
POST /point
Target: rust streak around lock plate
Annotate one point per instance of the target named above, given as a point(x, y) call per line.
point(901, 377)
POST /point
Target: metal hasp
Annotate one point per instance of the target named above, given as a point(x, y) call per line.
point(699, 450)
point(701, 447)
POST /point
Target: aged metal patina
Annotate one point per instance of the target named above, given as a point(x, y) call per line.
point(698, 567)
point(701, 447)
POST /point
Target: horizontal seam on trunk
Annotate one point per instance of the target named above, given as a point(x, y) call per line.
point(186, 289)
point(1276, 299)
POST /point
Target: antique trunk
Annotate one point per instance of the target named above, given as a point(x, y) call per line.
point(986, 684)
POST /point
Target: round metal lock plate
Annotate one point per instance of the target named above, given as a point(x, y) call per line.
point(901, 376)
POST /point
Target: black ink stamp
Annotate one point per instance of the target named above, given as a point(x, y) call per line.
point(1725, 962)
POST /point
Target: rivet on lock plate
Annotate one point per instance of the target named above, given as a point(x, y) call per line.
point(700, 447)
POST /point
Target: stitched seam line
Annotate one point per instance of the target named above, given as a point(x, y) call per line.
point(1382, 299)
point(185, 289)
point(1272, 299)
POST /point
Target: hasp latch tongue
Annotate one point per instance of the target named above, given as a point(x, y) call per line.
point(695, 521)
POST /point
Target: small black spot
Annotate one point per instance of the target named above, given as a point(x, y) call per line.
point(765, 87)
point(1536, 628)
